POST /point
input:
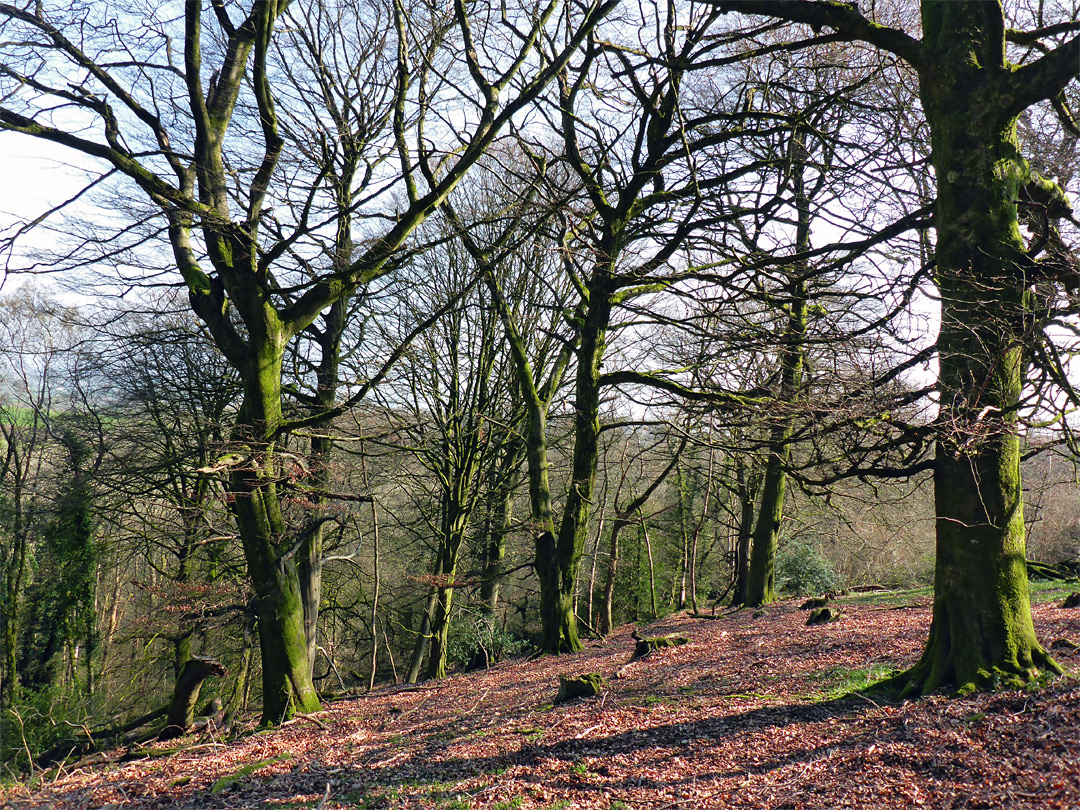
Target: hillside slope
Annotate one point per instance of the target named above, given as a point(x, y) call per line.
point(742, 716)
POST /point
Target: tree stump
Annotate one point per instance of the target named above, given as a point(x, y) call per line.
point(1071, 601)
point(586, 685)
point(649, 644)
point(814, 603)
point(822, 616)
point(186, 695)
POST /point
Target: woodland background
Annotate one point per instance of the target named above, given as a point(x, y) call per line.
point(461, 331)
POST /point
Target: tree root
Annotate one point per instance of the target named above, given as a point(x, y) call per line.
point(934, 673)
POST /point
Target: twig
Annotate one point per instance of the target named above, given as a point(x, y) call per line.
point(479, 701)
point(298, 717)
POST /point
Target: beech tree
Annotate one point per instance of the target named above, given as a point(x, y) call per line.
point(185, 110)
point(972, 96)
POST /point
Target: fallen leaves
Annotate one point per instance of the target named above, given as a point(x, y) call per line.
point(735, 718)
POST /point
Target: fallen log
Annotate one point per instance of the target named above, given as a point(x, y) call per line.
point(1063, 571)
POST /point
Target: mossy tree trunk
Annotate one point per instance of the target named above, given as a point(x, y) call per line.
point(536, 399)
point(982, 632)
point(455, 521)
point(558, 565)
point(269, 547)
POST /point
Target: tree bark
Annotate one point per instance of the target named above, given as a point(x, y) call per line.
point(762, 576)
point(271, 559)
point(981, 633)
point(186, 694)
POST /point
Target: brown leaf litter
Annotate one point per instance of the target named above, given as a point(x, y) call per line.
point(740, 717)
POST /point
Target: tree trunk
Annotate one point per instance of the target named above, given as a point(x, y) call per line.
point(678, 585)
point(981, 633)
point(697, 534)
point(606, 617)
point(440, 632)
point(421, 645)
point(746, 489)
point(271, 561)
point(454, 522)
point(559, 625)
point(652, 568)
point(375, 594)
point(501, 520)
point(186, 694)
point(592, 569)
point(558, 561)
point(762, 578)
point(310, 555)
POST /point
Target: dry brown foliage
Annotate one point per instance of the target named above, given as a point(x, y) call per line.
point(735, 718)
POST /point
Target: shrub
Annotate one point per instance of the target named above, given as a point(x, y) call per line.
point(474, 634)
point(802, 570)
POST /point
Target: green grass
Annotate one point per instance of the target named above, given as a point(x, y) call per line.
point(1043, 591)
point(888, 598)
point(840, 682)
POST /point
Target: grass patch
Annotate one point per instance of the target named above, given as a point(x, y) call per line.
point(841, 682)
point(887, 598)
point(1043, 591)
point(225, 782)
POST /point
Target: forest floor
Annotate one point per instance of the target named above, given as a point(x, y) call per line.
point(752, 712)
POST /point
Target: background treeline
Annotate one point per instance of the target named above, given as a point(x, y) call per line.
point(121, 563)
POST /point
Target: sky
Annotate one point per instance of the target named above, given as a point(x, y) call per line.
point(36, 175)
